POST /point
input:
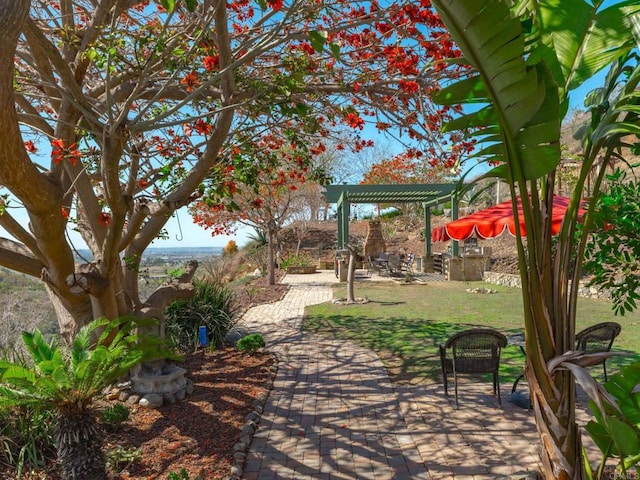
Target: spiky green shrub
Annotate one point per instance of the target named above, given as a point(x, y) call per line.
point(66, 380)
point(27, 437)
point(213, 306)
point(26, 432)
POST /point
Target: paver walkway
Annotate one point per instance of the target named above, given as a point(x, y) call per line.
point(334, 414)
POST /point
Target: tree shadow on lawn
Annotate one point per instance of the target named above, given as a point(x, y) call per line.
point(408, 347)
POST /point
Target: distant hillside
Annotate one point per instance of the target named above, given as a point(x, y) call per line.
point(171, 254)
point(24, 305)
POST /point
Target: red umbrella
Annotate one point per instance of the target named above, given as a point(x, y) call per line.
point(493, 221)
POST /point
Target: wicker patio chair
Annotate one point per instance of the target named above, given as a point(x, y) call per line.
point(598, 338)
point(474, 351)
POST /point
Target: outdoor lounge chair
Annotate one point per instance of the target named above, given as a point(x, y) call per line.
point(474, 351)
point(598, 338)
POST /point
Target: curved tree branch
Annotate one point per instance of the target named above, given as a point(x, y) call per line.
point(16, 257)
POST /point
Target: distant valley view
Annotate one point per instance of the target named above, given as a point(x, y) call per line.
point(24, 304)
point(172, 255)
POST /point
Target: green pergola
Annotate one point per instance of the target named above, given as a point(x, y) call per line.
point(428, 194)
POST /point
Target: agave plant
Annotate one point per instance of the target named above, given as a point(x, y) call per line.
point(258, 237)
point(68, 380)
point(525, 57)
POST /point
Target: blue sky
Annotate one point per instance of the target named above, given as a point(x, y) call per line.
point(184, 233)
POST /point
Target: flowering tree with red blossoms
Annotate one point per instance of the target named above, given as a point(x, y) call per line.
point(260, 186)
point(117, 113)
point(410, 168)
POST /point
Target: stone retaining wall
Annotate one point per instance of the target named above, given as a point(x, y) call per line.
point(510, 280)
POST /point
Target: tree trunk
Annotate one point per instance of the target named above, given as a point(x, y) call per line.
point(79, 445)
point(271, 275)
point(555, 421)
point(68, 320)
point(549, 321)
point(351, 274)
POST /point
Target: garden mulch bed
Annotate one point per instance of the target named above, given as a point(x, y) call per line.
point(200, 432)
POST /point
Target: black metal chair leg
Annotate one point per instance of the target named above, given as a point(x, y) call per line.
point(455, 379)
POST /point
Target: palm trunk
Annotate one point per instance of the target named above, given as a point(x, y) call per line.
point(79, 444)
point(555, 421)
point(550, 325)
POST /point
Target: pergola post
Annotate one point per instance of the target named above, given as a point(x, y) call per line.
point(343, 210)
point(454, 216)
point(339, 218)
point(346, 213)
point(427, 231)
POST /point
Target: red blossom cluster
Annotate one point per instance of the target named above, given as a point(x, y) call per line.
point(104, 219)
point(211, 62)
point(173, 146)
point(318, 149)
point(361, 144)
point(190, 81)
point(394, 45)
point(200, 126)
point(30, 147)
point(141, 6)
point(213, 217)
point(354, 120)
point(400, 169)
point(60, 152)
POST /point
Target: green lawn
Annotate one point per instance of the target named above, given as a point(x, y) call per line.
point(405, 324)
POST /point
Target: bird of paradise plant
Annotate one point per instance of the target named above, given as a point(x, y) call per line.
point(526, 56)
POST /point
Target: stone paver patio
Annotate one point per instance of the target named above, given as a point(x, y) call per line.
point(334, 414)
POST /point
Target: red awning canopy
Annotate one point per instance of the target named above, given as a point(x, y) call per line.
point(493, 221)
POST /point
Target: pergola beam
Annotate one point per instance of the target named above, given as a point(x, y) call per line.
point(428, 194)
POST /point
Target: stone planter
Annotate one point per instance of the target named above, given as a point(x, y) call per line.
point(302, 269)
point(325, 264)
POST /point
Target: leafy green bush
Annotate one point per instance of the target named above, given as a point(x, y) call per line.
point(66, 379)
point(612, 254)
point(616, 430)
point(183, 475)
point(115, 414)
point(213, 306)
point(26, 432)
point(251, 343)
point(391, 214)
point(300, 260)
